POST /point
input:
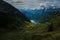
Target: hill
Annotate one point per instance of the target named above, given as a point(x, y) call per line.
point(10, 17)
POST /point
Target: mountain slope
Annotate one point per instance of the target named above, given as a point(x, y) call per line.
point(10, 17)
point(40, 15)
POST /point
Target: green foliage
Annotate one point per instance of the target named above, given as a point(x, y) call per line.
point(16, 28)
point(31, 31)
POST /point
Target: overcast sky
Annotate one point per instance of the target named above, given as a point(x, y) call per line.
point(21, 4)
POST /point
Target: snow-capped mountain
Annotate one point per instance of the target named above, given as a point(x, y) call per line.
point(42, 14)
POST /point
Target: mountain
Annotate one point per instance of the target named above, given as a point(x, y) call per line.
point(10, 17)
point(40, 15)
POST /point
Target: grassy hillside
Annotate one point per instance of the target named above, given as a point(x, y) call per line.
point(15, 26)
point(49, 30)
point(10, 18)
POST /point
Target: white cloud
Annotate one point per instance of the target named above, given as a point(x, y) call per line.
point(14, 0)
point(31, 3)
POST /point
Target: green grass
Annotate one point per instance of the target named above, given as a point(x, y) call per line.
point(30, 31)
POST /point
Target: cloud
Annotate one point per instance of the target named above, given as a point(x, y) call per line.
point(13, 1)
point(31, 3)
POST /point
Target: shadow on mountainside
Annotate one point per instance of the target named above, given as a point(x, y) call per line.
point(10, 17)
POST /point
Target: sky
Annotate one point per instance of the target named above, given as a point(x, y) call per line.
point(32, 4)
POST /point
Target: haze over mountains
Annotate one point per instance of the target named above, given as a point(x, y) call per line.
point(34, 9)
point(42, 14)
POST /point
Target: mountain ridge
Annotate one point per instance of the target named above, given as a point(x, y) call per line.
point(10, 17)
point(42, 13)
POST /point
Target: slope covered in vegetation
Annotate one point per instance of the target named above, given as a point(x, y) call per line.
point(10, 17)
point(49, 30)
